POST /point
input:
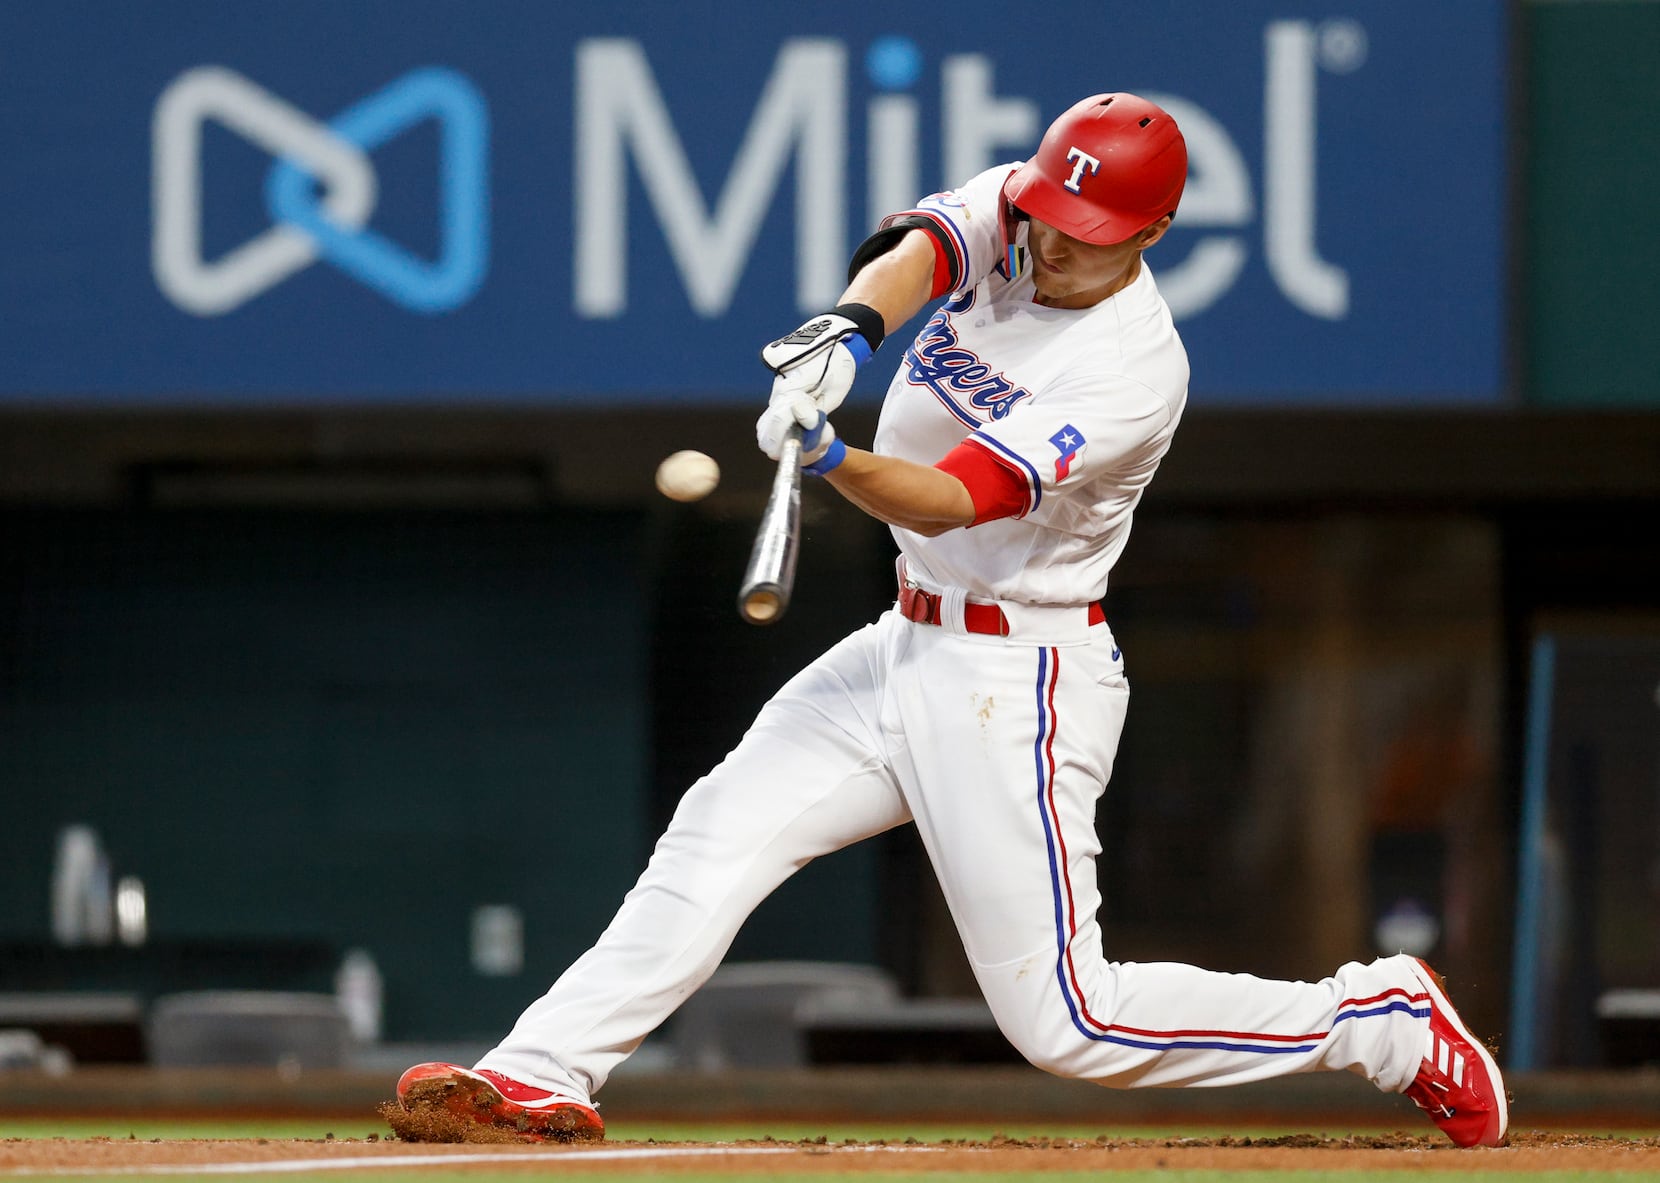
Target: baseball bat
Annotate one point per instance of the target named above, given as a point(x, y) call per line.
point(765, 592)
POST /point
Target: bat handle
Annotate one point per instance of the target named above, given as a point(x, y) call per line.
point(770, 576)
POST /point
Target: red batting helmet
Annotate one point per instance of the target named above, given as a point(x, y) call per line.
point(1111, 166)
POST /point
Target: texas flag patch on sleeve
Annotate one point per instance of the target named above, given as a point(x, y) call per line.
point(1071, 442)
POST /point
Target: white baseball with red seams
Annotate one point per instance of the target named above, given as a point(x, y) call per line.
point(687, 475)
point(996, 747)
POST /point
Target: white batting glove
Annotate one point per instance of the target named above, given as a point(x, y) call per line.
point(820, 449)
point(819, 359)
point(814, 367)
point(785, 411)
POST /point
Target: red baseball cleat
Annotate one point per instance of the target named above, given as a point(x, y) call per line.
point(487, 1098)
point(1458, 1084)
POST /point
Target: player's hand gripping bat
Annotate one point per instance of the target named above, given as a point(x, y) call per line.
point(771, 572)
point(814, 367)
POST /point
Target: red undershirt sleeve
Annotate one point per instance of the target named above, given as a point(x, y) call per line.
point(997, 489)
point(945, 266)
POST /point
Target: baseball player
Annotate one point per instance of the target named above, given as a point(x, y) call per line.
point(1020, 429)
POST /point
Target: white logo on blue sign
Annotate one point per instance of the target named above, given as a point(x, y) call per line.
point(334, 224)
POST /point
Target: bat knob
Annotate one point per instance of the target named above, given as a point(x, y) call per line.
point(762, 606)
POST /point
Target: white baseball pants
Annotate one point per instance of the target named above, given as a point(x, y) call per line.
point(998, 752)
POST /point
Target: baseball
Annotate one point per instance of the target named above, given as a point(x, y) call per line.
point(687, 476)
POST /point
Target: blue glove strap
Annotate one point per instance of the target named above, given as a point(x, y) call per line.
point(810, 437)
point(833, 456)
point(858, 347)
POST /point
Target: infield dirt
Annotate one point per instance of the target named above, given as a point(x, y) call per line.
point(1528, 1151)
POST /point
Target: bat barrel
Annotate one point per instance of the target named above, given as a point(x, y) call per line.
point(770, 575)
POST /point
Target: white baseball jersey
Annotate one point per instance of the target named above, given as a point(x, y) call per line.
point(1079, 404)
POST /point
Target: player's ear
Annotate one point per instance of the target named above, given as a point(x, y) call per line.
point(1153, 233)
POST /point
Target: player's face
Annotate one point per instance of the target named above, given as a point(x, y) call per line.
point(1071, 273)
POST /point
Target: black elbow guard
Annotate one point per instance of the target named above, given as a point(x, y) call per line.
point(886, 238)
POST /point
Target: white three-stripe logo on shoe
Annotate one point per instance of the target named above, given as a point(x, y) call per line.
point(1441, 1055)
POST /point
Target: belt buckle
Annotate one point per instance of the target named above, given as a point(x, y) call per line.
point(915, 604)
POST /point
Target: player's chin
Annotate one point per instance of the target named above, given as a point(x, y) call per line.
point(1051, 285)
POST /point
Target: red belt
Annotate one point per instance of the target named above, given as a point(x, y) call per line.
point(924, 608)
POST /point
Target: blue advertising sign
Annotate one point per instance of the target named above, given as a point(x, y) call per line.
point(282, 202)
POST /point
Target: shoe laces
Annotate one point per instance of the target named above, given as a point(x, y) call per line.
point(1433, 1105)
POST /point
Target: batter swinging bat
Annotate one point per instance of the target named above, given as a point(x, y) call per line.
point(771, 572)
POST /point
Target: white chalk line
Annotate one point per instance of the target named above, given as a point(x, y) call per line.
point(572, 1159)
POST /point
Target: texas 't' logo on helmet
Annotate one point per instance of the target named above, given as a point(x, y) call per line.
point(1082, 162)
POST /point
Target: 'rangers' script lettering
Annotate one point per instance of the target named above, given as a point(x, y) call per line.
point(938, 362)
